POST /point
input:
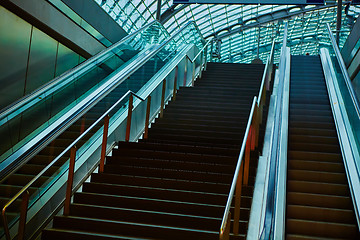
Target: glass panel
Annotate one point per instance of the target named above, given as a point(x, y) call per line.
point(70, 89)
point(346, 96)
point(138, 82)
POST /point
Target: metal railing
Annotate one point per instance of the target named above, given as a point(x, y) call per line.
point(344, 71)
point(276, 141)
point(65, 78)
point(24, 192)
point(249, 143)
point(345, 109)
point(80, 83)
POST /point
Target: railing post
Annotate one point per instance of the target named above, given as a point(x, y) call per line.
point(163, 99)
point(147, 117)
point(206, 56)
point(128, 122)
point(257, 124)
point(254, 129)
point(175, 83)
point(247, 157)
point(238, 190)
point(104, 142)
point(226, 233)
point(70, 181)
point(185, 71)
point(193, 74)
point(23, 215)
point(202, 64)
point(6, 225)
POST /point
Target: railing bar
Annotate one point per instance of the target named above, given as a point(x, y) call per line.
point(104, 143)
point(23, 215)
point(128, 121)
point(86, 131)
point(70, 181)
point(238, 165)
point(63, 153)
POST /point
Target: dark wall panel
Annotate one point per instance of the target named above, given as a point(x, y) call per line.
point(14, 48)
point(29, 58)
point(66, 59)
point(41, 67)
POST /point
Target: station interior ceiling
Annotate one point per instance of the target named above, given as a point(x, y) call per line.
point(246, 31)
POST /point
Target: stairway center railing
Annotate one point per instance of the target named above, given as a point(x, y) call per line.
point(249, 143)
point(278, 149)
point(160, 79)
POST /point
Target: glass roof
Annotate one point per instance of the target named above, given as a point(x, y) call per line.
point(246, 31)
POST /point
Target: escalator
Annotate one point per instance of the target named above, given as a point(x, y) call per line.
point(175, 184)
point(319, 204)
point(12, 184)
point(127, 66)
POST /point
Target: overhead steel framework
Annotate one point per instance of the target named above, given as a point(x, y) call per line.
point(246, 31)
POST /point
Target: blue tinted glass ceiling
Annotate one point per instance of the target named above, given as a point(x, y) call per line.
point(246, 30)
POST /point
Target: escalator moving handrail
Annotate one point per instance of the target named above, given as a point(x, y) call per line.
point(63, 79)
point(54, 130)
point(3, 212)
point(344, 71)
point(274, 153)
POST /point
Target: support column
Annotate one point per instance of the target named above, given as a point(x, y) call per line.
point(158, 11)
point(338, 21)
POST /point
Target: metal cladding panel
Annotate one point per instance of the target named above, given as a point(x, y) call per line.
point(14, 48)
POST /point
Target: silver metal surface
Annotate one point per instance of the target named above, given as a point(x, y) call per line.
point(349, 149)
point(275, 199)
point(237, 169)
point(344, 71)
point(280, 197)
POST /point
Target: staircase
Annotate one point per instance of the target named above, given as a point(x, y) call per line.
point(11, 185)
point(319, 204)
point(175, 184)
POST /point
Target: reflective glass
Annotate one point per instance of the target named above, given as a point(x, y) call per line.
point(306, 24)
point(28, 120)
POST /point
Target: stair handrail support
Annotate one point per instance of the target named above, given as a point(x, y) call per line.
point(266, 79)
point(53, 162)
point(236, 185)
point(104, 116)
point(250, 143)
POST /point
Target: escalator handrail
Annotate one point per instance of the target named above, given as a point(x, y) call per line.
point(99, 95)
point(274, 153)
point(54, 129)
point(34, 97)
point(344, 71)
point(52, 163)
